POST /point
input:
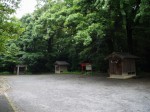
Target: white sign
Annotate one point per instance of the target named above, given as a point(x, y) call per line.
point(88, 67)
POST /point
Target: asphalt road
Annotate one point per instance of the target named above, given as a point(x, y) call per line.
point(76, 93)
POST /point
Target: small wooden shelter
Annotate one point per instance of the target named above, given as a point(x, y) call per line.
point(121, 65)
point(61, 66)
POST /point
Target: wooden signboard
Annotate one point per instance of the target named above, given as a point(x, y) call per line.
point(88, 67)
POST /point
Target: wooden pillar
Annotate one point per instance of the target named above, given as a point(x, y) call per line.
point(26, 68)
point(18, 70)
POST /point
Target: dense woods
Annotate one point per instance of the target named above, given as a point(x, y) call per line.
point(75, 31)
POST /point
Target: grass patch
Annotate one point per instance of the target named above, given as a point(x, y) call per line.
point(78, 73)
point(5, 73)
point(74, 73)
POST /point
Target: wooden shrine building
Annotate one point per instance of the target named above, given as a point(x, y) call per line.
point(121, 65)
point(61, 66)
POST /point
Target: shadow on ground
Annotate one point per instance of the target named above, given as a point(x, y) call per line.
point(4, 105)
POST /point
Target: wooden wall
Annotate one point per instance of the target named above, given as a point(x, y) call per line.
point(125, 66)
point(128, 66)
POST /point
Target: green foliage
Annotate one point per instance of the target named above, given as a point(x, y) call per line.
point(78, 31)
point(9, 27)
point(10, 57)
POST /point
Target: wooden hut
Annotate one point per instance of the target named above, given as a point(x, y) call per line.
point(61, 66)
point(121, 65)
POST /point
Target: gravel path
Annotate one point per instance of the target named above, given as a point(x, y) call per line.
point(3, 85)
point(5, 105)
point(75, 93)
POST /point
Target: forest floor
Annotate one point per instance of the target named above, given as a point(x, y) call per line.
point(78, 93)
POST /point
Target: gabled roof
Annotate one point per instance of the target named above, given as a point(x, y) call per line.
point(121, 55)
point(61, 63)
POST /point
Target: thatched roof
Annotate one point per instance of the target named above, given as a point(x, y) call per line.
point(61, 63)
point(121, 55)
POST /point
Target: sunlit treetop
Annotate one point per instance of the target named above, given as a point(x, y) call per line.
point(9, 6)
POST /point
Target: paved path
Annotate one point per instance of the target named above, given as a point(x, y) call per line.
point(75, 93)
point(3, 85)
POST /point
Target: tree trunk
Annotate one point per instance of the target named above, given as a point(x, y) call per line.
point(130, 23)
point(110, 44)
point(129, 36)
point(49, 45)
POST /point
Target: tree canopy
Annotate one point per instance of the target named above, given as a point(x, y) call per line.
point(9, 26)
point(81, 31)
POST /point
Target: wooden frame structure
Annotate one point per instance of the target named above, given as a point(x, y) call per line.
point(22, 67)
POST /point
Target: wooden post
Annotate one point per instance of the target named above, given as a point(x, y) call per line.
point(18, 70)
point(26, 68)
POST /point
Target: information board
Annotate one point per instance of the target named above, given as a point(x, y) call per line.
point(89, 67)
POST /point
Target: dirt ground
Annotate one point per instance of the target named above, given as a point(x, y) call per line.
point(77, 93)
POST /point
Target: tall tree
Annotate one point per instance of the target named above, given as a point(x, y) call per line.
point(78, 30)
point(8, 25)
